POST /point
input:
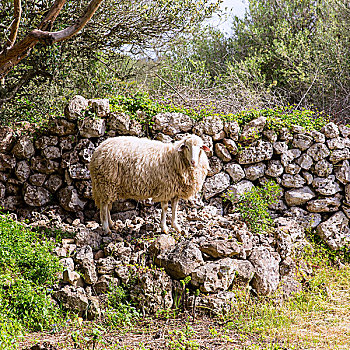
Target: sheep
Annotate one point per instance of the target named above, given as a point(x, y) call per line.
point(128, 167)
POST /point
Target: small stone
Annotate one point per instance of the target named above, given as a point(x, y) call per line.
point(342, 173)
point(100, 107)
point(270, 135)
point(61, 127)
point(215, 185)
point(222, 152)
point(208, 141)
point(235, 171)
point(299, 196)
point(336, 143)
point(344, 130)
point(292, 169)
point(79, 172)
point(92, 127)
point(339, 155)
point(232, 130)
point(287, 158)
point(69, 199)
point(161, 244)
point(215, 166)
point(172, 123)
point(72, 299)
point(305, 161)
point(43, 165)
point(318, 151)
point(37, 179)
point(51, 152)
point(302, 141)
point(209, 125)
point(106, 266)
point(36, 196)
point(7, 139)
point(255, 154)
point(308, 177)
point(219, 248)
point(22, 171)
point(330, 130)
point(292, 181)
point(326, 186)
point(237, 190)
point(274, 168)
point(252, 130)
point(323, 205)
point(285, 135)
point(219, 136)
point(318, 136)
point(255, 171)
point(75, 108)
point(231, 146)
point(24, 148)
point(53, 183)
point(323, 168)
point(280, 147)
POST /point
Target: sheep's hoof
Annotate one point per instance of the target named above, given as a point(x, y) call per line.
point(177, 228)
point(165, 230)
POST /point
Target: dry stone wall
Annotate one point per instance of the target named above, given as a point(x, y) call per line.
point(48, 168)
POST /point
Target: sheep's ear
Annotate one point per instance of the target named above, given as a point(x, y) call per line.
point(205, 148)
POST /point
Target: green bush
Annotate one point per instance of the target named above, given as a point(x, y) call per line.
point(27, 269)
point(253, 205)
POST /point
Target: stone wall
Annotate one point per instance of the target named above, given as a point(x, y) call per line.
point(47, 168)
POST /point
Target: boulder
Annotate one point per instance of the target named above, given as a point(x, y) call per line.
point(342, 172)
point(292, 181)
point(238, 189)
point(254, 171)
point(172, 123)
point(36, 196)
point(280, 147)
point(339, 154)
point(22, 171)
point(210, 125)
point(215, 185)
point(92, 127)
point(51, 152)
point(337, 143)
point(326, 186)
point(43, 165)
point(318, 151)
point(23, 148)
point(46, 141)
point(305, 161)
point(255, 154)
point(335, 231)
point(299, 196)
point(62, 127)
point(235, 171)
point(76, 107)
point(230, 146)
point(266, 264)
point(73, 299)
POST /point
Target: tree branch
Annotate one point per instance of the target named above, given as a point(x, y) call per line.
point(52, 14)
point(17, 12)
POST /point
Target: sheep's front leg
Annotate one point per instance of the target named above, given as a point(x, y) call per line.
point(104, 215)
point(110, 222)
point(174, 205)
point(163, 225)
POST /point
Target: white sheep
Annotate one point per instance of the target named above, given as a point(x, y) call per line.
point(128, 167)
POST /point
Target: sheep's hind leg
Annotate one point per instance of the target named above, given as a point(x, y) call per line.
point(104, 213)
point(163, 225)
point(174, 205)
point(110, 222)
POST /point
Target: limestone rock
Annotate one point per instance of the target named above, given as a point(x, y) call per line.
point(36, 196)
point(235, 171)
point(7, 162)
point(252, 130)
point(292, 169)
point(305, 161)
point(24, 148)
point(255, 154)
point(51, 152)
point(271, 135)
point(266, 264)
point(323, 168)
point(215, 185)
point(342, 173)
point(219, 248)
point(62, 127)
point(232, 130)
point(89, 269)
point(330, 130)
point(231, 146)
point(239, 189)
point(326, 186)
point(209, 125)
point(280, 147)
point(79, 172)
point(43, 165)
point(335, 231)
point(53, 183)
point(106, 266)
point(274, 168)
point(318, 136)
point(339, 155)
point(299, 196)
point(100, 107)
point(46, 141)
point(7, 139)
point(318, 151)
point(92, 127)
point(254, 171)
point(323, 205)
point(152, 291)
point(172, 123)
point(302, 141)
point(73, 299)
point(215, 165)
point(37, 179)
point(180, 261)
point(292, 181)
point(75, 108)
point(222, 152)
point(337, 143)
point(161, 244)
point(208, 141)
point(22, 171)
point(69, 199)
point(219, 275)
point(344, 130)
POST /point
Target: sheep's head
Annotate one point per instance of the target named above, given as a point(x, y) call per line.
point(191, 147)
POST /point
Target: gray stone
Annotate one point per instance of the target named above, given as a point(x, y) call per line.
point(37, 179)
point(270, 135)
point(323, 168)
point(235, 171)
point(7, 162)
point(172, 123)
point(255, 171)
point(232, 130)
point(62, 127)
point(330, 130)
point(219, 136)
point(75, 108)
point(287, 157)
point(106, 266)
point(79, 172)
point(215, 185)
point(67, 263)
point(7, 139)
point(152, 291)
point(292, 169)
point(215, 166)
point(285, 135)
point(22, 171)
point(305, 161)
point(85, 150)
point(318, 136)
point(280, 147)
point(292, 181)
point(161, 244)
point(252, 130)
point(339, 155)
point(231, 146)
point(104, 284)
point(304, 218)
point(342, 172)
point(222, 152)
point(326, 186)
point(180, 261)
point(266, 264)
point(337, 143)
point(238, 189)
point(323, 205)
point(299, 196)
point(53, 183)
point(255, 154)
point(69, 199)
point(302, 141)
point(335, 231)
point(89, 269)
point(84, 253)
point(43, 165)
point(92, 127)
point(308, 177)
point(274, 168)
point(344, 130)
point(318, 151)
point(36, 196)
point(24, 148)
point(51, 152)
point(209, 125)
point(72, 299)
point(72, 277)
point(220, 248)
point(220, 275)
point(296, 152)
point(46, 141)
point(100, 107)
